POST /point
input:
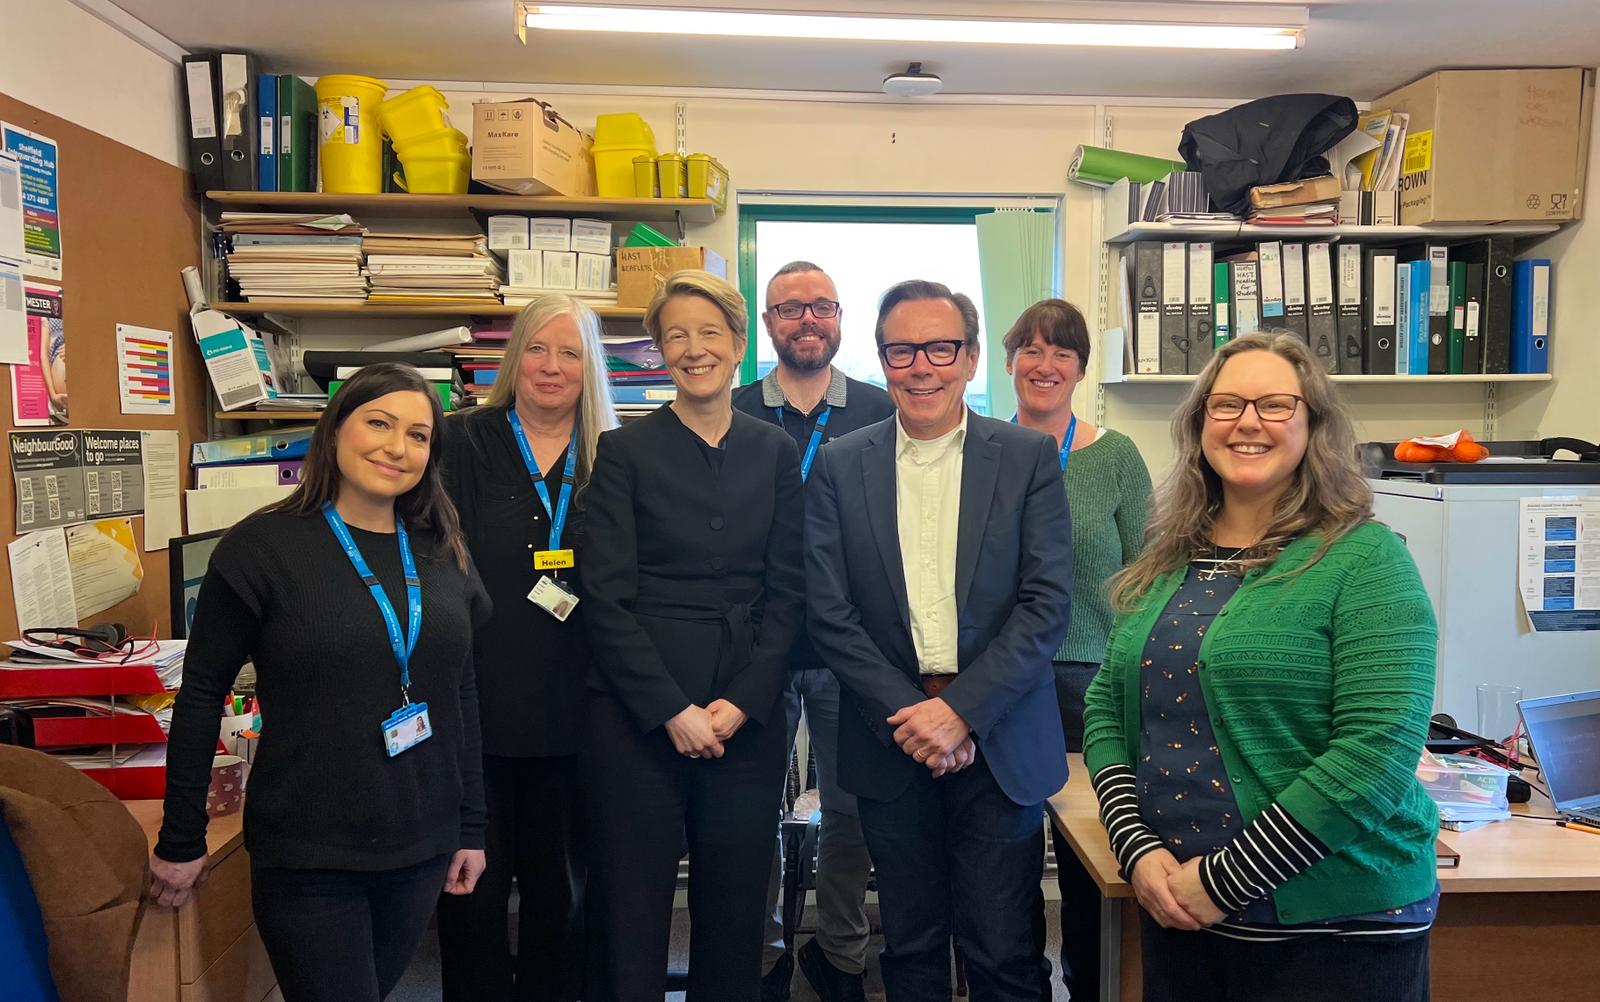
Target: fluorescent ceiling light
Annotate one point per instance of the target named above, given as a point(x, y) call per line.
point(849, 27)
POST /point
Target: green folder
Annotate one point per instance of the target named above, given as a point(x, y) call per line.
point(1458, 317)
point(297, 134)
point(1222, 299)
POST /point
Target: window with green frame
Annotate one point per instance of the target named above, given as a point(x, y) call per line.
point(865, 250)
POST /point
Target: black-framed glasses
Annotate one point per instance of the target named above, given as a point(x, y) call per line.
point(1272, 407)
point(822, 309)
point(900, 355)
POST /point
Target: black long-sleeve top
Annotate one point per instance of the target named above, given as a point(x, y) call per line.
point(531, 666)
point(323, 793)
point(693, 576)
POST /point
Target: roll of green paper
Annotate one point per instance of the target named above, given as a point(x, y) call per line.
point(1094, 165)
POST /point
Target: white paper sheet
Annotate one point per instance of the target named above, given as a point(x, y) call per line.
point(41, 580)
point(12, 246)
point(144, 370)
point(163, 511)
point(13, 316)
point(1558, 562)
point(219, 508)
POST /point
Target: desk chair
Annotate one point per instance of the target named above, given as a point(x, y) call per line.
point(24, 960)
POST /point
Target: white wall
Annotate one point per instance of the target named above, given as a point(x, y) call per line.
point(1569, 406)
point(62, 60)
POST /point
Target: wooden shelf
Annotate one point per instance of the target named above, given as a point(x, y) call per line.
point(1367, 234)
point(294, 308)
point(694, 210)
point(1477, 377)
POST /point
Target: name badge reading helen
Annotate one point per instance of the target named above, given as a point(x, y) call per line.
point(552, 560)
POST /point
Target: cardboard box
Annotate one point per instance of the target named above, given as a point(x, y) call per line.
point(594, 272)
point(508, 233)
point(550, 233)
point(641, 271)
point(242, 364)
point(527, 271)
point(560, 269)
point(591, 236)
point(525, 148)
point(1494, 145)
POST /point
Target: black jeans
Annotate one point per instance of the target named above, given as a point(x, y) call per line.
point(1204, 967)
point(536, 838)
point(956, 856)
point(343, 935)
point(1080, 898)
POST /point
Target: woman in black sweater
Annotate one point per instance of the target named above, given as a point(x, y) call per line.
point(694, 593)
point(356, 601)
point(551, 396)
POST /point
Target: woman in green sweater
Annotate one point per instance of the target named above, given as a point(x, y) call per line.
point(1254, 735)
point(1108, 492)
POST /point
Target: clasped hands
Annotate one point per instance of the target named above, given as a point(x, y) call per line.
point(699, 732)
point(1172, 892)
point(935, 736)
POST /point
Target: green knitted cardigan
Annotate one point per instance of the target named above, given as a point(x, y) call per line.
point(1319, 685)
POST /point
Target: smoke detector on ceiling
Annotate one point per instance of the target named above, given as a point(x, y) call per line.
point(912, 83)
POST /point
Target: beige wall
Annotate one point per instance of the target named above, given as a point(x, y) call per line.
point(826, 147)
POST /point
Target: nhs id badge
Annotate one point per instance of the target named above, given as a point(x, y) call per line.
point(553, 597)
point(406, 727)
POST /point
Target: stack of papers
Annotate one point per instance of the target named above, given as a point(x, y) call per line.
point(166, 657)
point(1465, 789)
point(522, 295)
point(277, 256)
point(431, 261)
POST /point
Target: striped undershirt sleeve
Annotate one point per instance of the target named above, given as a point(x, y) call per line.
point(1130, 837)
point(1270, 850)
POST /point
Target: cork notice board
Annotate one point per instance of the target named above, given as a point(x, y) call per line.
point(129, 224)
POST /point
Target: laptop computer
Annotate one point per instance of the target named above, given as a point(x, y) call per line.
point(1565, 732)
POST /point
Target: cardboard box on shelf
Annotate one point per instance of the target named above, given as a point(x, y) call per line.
point(508, 233)
point(527, 269)
point(525, 148)
point(550, 233)
point(591, 236)
point(594, 272)
point(1493, 145)
point(642, 270)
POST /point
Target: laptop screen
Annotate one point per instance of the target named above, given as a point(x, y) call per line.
point(1565, 731)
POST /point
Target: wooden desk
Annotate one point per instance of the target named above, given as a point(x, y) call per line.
point(1520, 916)
point(208, 950)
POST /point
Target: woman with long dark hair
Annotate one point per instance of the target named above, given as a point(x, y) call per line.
point(356, 601)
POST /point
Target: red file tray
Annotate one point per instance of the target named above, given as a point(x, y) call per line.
point(79, 680)
point(143, 782)
point(110, 729)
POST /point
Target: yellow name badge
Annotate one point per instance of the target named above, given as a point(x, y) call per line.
point(552, 560)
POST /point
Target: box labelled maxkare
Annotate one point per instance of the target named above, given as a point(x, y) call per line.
point(1486, 146)
point(525, 148)
point(642, 271)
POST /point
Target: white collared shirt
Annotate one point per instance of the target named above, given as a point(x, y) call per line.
point(927, 481)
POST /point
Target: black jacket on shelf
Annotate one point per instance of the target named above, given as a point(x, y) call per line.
point(1275, 139)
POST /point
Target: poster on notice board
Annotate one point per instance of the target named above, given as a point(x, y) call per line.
point(39, 387)
point(63, 477)
point(41, 204)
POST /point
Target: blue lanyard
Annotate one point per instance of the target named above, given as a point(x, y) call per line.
point(816, 439)
point(1066, 441)
point(558, 517)
point(402, 648)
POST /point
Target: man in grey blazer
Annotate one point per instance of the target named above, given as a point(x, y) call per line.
point(938, 576)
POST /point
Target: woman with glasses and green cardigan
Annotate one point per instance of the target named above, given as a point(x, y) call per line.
point(1253, 735)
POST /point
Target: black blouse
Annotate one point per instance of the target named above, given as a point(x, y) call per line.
point(531, 666)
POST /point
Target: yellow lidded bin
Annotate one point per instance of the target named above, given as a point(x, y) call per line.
point(437, 143)
point(444, 174)
point(618, 139)
point(351, 150)
point(418, 111)
point(644, 177)
point(669, 167)
point(708, 179)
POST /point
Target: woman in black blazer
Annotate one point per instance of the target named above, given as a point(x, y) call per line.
point(693, 590)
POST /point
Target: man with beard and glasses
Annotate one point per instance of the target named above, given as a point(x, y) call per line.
point(815, 402)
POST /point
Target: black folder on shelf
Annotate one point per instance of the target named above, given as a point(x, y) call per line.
point(1379, 282)
point(1495, 255)
point(1202, 314)
point(1294, 289)
point(1321, 325)
point(1174, 308)
point(1349, 300)
point(236, 111)
point(205, 138)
